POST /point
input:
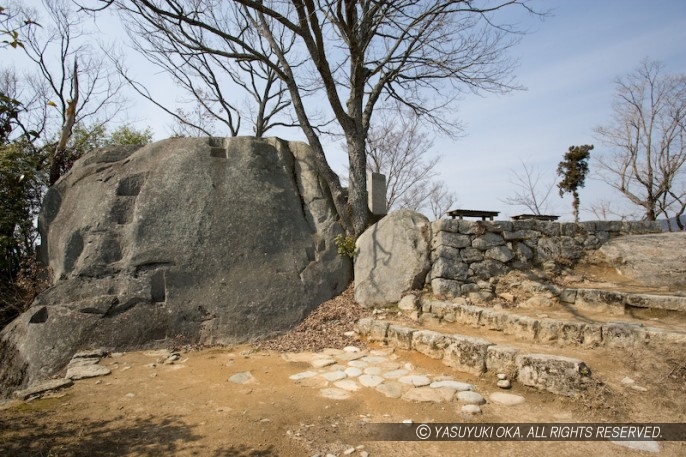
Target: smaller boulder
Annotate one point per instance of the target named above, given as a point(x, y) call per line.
point(393, 257)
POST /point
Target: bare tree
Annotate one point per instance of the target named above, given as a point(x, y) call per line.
point(647, 141)
point(357, 54)
point(222, 92)
point(399, 148)
point(604, 210)
point(441, 199)
point(530, 190)
point(70, 84)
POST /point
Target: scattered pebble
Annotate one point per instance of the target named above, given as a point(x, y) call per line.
point(504, 384)
point(502, 376)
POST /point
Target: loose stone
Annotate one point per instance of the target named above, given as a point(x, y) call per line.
point(504, 384)
point(241, 378)
point(502, 376)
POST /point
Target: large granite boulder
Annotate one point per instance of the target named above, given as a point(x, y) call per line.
point(181, 241)
point(393, 257)
point(655, 260)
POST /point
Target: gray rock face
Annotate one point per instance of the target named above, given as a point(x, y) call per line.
point(657, 260)
point(185, 240)
point(392, 258)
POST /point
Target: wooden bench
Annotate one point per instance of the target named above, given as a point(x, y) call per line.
point(461, 213)
point(537, 217)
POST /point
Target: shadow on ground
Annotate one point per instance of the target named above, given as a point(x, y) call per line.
point(40, 433)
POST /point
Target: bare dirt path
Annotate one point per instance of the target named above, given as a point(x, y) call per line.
point(191, 408)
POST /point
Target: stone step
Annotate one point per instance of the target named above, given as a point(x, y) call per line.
point(593, 298)
point(557, 374)
point(547, 330)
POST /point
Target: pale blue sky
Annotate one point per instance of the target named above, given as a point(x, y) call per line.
point(567, 62)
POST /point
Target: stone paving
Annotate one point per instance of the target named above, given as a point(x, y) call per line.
point(339, 374)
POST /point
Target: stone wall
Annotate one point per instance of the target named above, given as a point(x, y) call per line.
point(467, 256)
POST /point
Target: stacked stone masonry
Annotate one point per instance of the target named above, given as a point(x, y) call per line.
point(466, 256)
point(556, 374)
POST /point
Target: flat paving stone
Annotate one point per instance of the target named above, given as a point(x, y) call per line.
point(390, 389)
point(374, 371)
point(645, 446)
point(469, 397)
point(334, 393)
point(395, 373)
point(369, 380)
point(357, 364)
point(457, 385)
point(302, 375)
point(415, 380)
point(375, 359)
point(428, 394)
point(353, 372)
point(503, 398)
point(334, 375)
point(347, 384)
point(349, 356)
point(321, 363)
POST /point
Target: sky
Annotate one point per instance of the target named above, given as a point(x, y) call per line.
point(568, 63)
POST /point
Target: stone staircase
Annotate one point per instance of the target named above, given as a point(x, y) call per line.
point(524, 345)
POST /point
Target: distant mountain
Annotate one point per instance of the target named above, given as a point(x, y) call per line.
point(672, 221)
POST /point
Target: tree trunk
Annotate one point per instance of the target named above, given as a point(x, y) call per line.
point(576, 206)
point(357, 192)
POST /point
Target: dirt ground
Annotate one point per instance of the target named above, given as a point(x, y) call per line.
point(190, 408)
